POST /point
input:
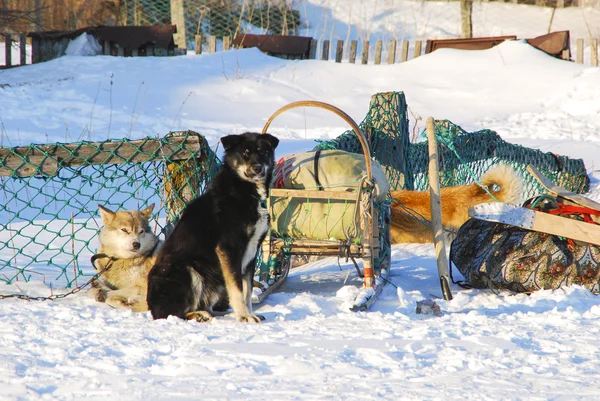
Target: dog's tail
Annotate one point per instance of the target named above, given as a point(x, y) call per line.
point(504, 183)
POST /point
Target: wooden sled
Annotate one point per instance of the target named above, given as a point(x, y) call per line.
point(540, 221)
point(373, 248)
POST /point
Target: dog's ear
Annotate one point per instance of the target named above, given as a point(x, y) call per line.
point(106, 214)
point(272, 140)
point(147, 212)
point(230, 141)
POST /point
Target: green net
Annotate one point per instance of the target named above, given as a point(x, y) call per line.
point(51, 193)
point(216, 17)
point(464, 156)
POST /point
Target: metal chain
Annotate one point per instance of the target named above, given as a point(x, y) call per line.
point(73, 291)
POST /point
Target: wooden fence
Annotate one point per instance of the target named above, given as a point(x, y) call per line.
point(393, 51)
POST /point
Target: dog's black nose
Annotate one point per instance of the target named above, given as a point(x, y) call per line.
point(136, 246)
point(257, 168)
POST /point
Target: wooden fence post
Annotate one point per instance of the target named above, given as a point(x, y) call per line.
point(198, 40)
point(178, 19)
point(226, 42)
point(365, 52)
point(404, 56)
point(325, 50)
point(352, 55)
point(339, 51)
point(312, 52)
point(579, 57)
point(212, 44)
point(594, 52)
point(8, 50)
point(378, 49)
point(418, 46)
point(392, 52)
point(23, 49)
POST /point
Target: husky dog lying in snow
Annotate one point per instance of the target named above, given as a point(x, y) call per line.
point(129, 248)
point(208, 260)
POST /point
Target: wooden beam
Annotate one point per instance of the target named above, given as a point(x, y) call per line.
point(178, 19)
point(313, 194)
point(212, 44)
point(226, 42)
point(47, 159)
point(312, 52)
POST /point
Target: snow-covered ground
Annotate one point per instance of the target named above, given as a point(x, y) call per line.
point(485, 346)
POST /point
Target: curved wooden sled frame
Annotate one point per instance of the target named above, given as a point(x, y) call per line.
point(368, 250)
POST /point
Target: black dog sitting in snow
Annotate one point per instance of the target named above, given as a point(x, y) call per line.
point(208, 260)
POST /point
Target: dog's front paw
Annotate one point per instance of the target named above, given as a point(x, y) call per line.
point(199, 316)
point(98, 294)
point(250, 318)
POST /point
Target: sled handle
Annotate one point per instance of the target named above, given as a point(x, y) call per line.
point(327, 106)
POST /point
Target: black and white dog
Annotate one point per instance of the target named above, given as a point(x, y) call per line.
point(208, 260)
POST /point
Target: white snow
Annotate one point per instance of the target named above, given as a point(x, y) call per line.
point(484, 346)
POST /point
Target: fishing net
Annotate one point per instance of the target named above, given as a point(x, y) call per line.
point(50, 217)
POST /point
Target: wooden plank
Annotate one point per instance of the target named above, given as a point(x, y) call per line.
point(391, 52)
point(537, 221)
point(365, 52)
point(325, 50)
point(198, 40)
point(7, 50)
point(436, 210)
point(378, 49)
point(212, 44)
point(404, 56)
point(579, 50)
point(418, 47)
point(339, 51)
point(150, 49)
point(560, 191)
point(352, 55)
point(120, 51)
point(594, 52)
point(313, 194)
point(46, 159)
point(560, 3)
point(312, 51)
point(226, 42)
point(566, 54)
point(23, 49)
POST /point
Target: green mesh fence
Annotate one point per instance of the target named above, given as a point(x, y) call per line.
point(49, 217)
point(216, 17)
point(464, 156)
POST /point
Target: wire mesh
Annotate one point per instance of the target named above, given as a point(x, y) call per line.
point(49, 212)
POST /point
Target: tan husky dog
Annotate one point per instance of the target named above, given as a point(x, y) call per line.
point(128, 248)
point(407, 206)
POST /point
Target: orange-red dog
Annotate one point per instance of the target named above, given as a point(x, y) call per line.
point(409, 207)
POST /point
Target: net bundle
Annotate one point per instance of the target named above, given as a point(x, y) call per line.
point(464, 156)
